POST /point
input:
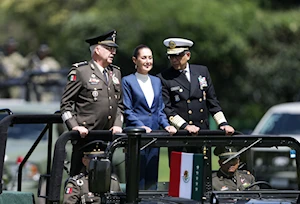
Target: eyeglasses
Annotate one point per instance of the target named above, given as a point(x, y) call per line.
point(176, 56)
point(111, 49)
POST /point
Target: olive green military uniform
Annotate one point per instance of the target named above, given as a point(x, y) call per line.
point(238, 182)
point(90, 101)
point(77, 190)
point(97, 104)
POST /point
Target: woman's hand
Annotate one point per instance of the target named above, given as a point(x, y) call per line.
point(148, 130)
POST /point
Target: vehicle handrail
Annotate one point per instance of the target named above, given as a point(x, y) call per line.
point(59, 157)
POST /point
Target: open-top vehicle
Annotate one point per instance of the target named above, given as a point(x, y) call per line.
point(133, 139)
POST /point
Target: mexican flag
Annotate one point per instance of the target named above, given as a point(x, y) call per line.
point(186, 171)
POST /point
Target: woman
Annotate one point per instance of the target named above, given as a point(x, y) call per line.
point(144, 106)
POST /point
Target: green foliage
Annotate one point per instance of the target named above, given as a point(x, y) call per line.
point(252, 53)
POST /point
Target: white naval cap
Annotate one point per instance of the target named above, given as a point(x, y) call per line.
point(177, 45)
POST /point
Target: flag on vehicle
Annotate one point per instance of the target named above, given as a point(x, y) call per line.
point(186, 171)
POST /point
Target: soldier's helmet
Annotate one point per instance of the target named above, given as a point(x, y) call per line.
point(224, 152)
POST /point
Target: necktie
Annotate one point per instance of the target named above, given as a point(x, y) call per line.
point(186, 75)
point(105, 73)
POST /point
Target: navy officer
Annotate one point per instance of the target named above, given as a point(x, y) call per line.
point(188, 91)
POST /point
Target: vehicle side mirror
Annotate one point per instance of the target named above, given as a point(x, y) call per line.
point(99, 175)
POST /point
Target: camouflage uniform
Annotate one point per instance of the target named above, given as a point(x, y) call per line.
point(238, 182)
point(77, 190)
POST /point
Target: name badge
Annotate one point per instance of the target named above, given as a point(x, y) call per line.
point(175, 88)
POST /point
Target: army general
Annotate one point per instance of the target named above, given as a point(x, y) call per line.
point(92, 99)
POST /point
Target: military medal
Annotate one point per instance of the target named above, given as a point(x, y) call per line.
point(115, 79)
point(95, 95)
point(177, 98)
point(202, 82)
point(93, 80)
point(204, 95)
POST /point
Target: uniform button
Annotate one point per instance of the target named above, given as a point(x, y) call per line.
point(201, 121)
point(188, 101)
point(191, 122)
point(190, 112)
point(109, 98)
point(180, 90)
point(201, 110)
point(108, 88)
point(150, 114)
point(84, 123)
point(110, 107)
point(109, 117)
point(200, 99)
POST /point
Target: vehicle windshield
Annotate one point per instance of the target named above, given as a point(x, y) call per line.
point(280, 123)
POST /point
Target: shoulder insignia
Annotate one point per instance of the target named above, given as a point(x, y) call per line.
point(79, 64)
point(114, 66)
point(72, 75)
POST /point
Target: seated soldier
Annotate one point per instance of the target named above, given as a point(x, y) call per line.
point(228, 177)
point(77, 188)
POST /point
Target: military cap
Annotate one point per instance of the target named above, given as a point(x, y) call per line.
point(175, 46)
point(224, 152)
point(108, 39)
point(94, 150)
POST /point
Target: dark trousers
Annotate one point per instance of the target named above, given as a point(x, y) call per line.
point(149, 169)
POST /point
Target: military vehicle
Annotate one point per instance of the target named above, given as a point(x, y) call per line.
point(134, 139)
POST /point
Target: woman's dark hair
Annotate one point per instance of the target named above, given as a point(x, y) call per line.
point(137, 49)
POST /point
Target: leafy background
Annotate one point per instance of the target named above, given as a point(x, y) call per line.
point(251, 47)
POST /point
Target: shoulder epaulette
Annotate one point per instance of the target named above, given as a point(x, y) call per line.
point(79, 64)
point(76, 177)
point(245, 172)
point(114, 66)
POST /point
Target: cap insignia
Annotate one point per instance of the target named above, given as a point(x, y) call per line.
point(114, 37)
point(172, 44)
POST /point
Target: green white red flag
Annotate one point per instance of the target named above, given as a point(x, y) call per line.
point(186, 175)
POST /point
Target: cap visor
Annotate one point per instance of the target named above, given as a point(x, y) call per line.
point(176, 51)
point(110, 44)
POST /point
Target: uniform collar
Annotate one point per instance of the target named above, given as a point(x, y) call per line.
point(221, 173)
